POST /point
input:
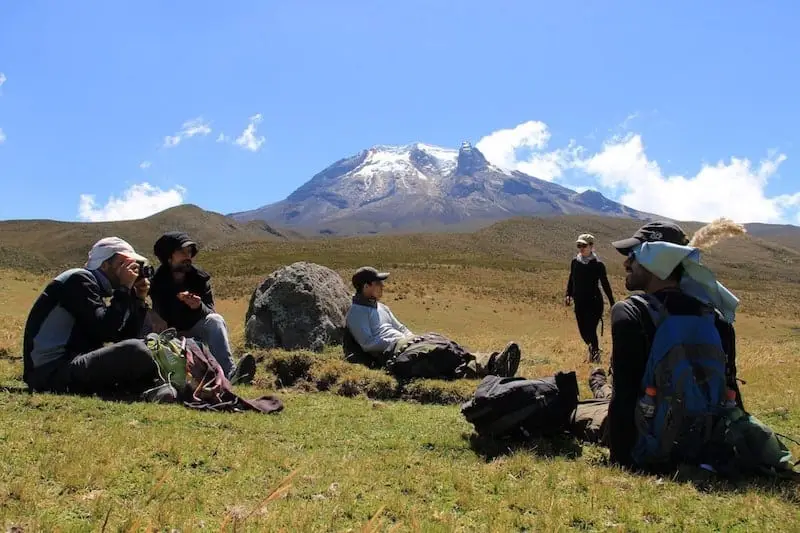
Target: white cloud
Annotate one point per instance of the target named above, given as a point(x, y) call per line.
point(2, 79)
point(248, 139)
point(139, 201)
point(145, 165)
point(521, 148)
point(190, 128)
point(222, 138)
point(734, 189)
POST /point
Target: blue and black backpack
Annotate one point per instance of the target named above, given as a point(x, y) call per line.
point(686, 367)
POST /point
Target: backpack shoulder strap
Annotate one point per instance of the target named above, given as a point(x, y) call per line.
point(655, 309)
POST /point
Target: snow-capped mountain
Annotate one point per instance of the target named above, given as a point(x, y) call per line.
point(418, 185)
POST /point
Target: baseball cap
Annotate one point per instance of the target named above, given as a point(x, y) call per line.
point(585, 238)
point(106, 248)
point(366, 275)
point(653, 232)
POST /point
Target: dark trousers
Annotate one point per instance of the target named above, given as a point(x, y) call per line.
point(588, 315)
point(126, 367)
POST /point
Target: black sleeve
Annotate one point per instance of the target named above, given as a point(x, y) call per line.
point(134, 324)
point(82, 298)
point(570, 284)
point(628, 360)
point(207, 305)
point(606, 285)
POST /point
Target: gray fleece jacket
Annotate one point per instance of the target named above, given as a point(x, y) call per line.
point(374, 326)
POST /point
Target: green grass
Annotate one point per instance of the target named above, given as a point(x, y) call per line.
point(365, 453)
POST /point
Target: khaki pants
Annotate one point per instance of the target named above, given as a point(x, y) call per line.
point(589, 421)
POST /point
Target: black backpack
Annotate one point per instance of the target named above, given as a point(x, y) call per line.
point(522, 408)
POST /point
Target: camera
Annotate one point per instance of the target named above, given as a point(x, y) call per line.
point(145, 271)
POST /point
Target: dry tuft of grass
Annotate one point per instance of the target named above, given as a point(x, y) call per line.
point(711, 234)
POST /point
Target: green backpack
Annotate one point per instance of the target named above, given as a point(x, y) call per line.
point(742, 446)
point(169, 354)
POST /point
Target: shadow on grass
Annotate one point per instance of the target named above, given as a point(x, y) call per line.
point(787, 489)
point(490, 448)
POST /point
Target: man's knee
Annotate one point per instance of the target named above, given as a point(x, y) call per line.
point(215, 320)
point(135, 347)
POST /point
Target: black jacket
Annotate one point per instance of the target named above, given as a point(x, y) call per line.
point(164, 293)
point(632, 332)
point(70, 318)
point(583, 282)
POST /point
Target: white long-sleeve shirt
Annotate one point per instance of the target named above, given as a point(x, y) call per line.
point(375, 329)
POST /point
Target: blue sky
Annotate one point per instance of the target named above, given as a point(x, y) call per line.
point(687, 107)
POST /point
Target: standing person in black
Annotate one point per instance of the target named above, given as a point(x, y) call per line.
point(585, 272)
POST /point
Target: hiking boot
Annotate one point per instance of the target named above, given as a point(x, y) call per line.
point(598, 383)
point(164, 393)
point(507, 362)
point(245, 370)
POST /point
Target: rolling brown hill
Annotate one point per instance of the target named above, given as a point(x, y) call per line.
point(236, 249)
point(48, 244)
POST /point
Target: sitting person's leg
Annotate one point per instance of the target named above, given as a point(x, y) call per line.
point(213, 331)
point(126, 365)
point(589, 421)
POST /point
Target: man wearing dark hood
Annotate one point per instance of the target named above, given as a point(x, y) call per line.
point(182, 297)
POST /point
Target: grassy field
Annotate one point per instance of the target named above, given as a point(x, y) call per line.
point(363, 455)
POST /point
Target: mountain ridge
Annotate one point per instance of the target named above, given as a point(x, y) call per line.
point(418, 185)
point(43, 243)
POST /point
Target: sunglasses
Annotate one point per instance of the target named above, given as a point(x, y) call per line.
point(582, 246)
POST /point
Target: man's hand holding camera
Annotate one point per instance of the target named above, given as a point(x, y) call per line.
point(135, 276)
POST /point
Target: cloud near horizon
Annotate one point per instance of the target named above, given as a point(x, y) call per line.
point(621, 168)
point(138, 201)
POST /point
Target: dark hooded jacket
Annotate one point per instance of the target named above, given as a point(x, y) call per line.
point(164, 290)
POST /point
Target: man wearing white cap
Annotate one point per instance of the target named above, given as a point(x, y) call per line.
point(67, 331)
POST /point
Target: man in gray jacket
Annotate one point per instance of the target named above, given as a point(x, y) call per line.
point(382, 336)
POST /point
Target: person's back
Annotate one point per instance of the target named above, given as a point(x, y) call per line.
point(657, 257)
point(70, 323)
point(633, 331)
point(60, 323)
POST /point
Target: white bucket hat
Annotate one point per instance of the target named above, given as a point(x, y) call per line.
point(104, 249)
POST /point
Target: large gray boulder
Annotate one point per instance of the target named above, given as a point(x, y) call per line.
point(300, 306)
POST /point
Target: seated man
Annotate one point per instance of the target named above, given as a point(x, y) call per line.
point(382, 336)
point(63, 347)
point(183, 299)
point(633, 330)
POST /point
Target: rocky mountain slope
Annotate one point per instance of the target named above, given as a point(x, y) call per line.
point(420, 186)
